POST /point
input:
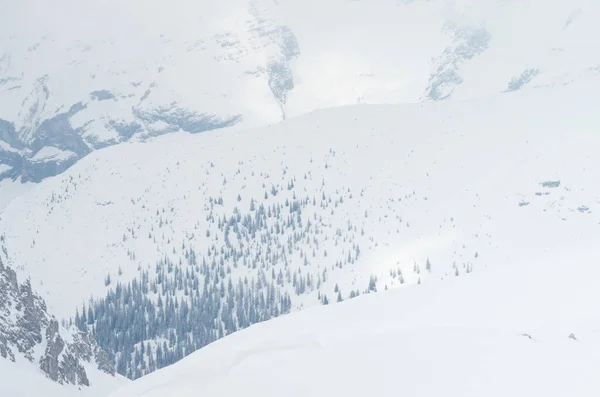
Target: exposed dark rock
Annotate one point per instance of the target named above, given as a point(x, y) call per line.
point(183, 119)
point(101, 95)
point(551, 184)
point(8, 134)
point(13, 159)
point(103, 360)
point(24, 322)
point(281, 77)
point(58, 363)
point(59, 133)
point(124, 129)
point(281, 80)
point(37, 171)
point(516, 83)
point(31, 321)
point(443, 79)
point(468, 43)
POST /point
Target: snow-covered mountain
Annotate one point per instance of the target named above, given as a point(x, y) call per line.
point(460, 139)
point(186, 238)
point(78, 76)
point(36, 350)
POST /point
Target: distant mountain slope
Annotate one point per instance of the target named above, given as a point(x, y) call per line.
point(184, 239)
point(129, 71)
point(36, 344)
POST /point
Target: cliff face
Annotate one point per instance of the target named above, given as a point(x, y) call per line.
point(28, 331)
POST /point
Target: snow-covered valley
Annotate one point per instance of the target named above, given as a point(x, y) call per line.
point(207, 234)
point(441, 154)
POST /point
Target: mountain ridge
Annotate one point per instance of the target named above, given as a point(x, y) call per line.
point(284, 63)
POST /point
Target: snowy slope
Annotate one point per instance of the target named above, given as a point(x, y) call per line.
point(439, 180)
point(126, 71)
point(528, 328)
point(198, 236)
point(11, 189)
point(22, 379)
point(347, 200)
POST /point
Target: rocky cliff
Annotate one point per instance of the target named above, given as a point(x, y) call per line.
point(29, 332)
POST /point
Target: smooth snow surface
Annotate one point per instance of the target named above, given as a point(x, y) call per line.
point(10, 189)
point(4, 168)
point(500, 332)
point(24, 379)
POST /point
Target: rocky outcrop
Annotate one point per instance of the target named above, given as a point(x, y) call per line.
point(58, 362)
point(36, 171)
point(31, 319)
point(21, 316)
point(85, 347)
point(103, 360)
point(468, 42)
point(25, 324)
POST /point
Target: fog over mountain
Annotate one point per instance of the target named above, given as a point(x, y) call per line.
point(320, 197)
